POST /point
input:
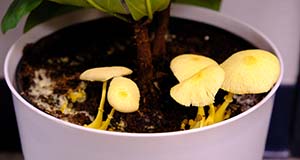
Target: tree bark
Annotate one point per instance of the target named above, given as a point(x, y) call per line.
point(144, 56)
point(159, 43)
point(144, 60)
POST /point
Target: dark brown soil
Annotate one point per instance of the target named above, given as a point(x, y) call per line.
point(108, 42)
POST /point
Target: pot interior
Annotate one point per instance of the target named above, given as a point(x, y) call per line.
point(108, 41)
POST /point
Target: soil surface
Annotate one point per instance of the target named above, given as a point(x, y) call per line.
point(48, 74)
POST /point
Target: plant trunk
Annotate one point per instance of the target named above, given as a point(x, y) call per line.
point(159, 43)
point(144, 60)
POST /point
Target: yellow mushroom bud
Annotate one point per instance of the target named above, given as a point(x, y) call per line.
point(186, 65)
point(123, 95)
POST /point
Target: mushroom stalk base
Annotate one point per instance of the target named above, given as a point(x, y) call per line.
point(98, 120)
point(220, 113)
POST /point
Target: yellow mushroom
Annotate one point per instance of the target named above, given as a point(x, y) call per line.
point(200, 90)
point(103, 74)
point(186, 65)
point(123, 95)
point(248, 72)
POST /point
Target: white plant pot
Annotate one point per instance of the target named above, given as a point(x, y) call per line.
point(44, 137)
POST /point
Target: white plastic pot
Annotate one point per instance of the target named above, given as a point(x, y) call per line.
point(44, 137)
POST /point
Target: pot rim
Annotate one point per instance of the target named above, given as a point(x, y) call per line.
point(181, 12)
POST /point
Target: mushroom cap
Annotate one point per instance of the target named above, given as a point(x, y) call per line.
point(186, 65)
point(250, 71)
point(200, 89)
point(123, 95)
point(104, 73)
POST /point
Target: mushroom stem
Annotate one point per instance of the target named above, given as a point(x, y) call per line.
point(227, 114)
point(107, 121)
point(98, 120)
point(211, 115)
point(200, 118)
point(220, 113)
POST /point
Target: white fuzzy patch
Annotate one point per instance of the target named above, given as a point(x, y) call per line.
point(43, 88)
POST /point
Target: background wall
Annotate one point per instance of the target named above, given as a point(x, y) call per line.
point(9, 138)
point(279, 20)
point(6, 40)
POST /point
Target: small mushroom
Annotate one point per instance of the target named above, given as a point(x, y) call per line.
point(186, 65)
point(248, 72)
point(103, 74)
point(200, 90)
point(123, 95)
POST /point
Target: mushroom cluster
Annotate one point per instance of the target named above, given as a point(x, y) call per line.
point(200, 78)
point(123, 94)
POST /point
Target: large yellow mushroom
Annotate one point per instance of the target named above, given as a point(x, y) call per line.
point(200, 90)
point(103, 74)
point(186, 65)
point(248, 72)
point(123, 95)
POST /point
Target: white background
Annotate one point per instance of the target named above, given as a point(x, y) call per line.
point(278, 19)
